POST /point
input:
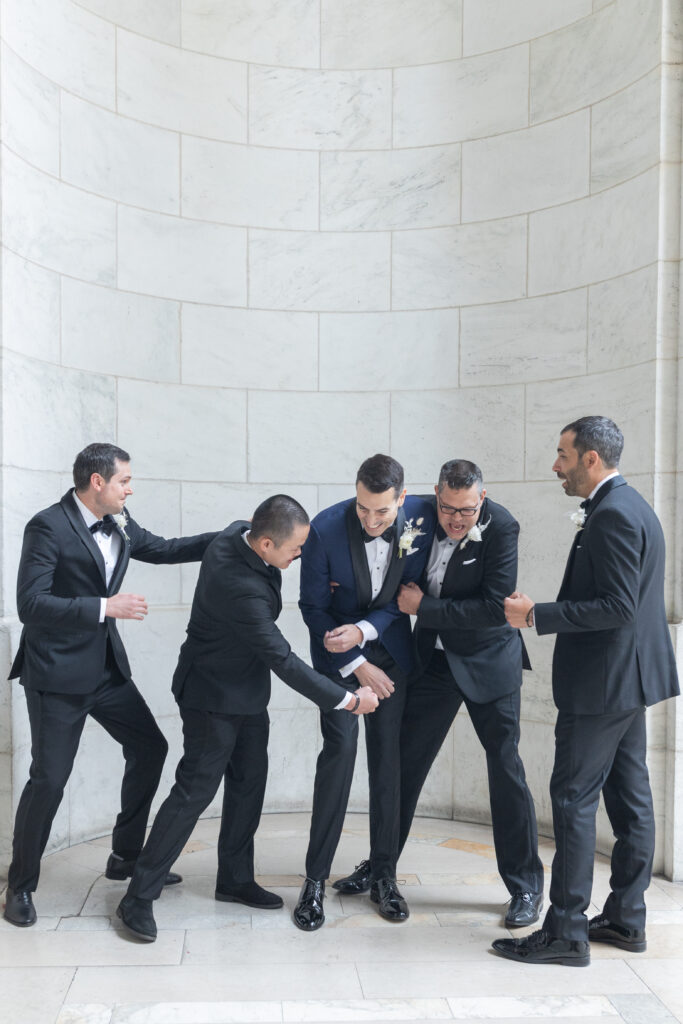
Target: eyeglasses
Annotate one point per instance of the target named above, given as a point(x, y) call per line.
point(448, 510)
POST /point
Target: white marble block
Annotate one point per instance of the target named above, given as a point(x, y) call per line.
point(625, 132)
point(30, 112)
point(531, 339)
point(250, 185)
point(462, 265)
point(319, 271)
point(526, 170)
point(181, 259)
point(249, 348)
point(623, 320)
point(494, 24)
point(347, 429)
point(306, 109)
point(119, 332)
point(120, 158)
point(371, 351)
point(159, 20)
point(30, 308)
point(389, 33)
point(182, 432)
point(409, 188)
point(461, 99)
point(256, 31)
point(177, 89)
point(56, 225)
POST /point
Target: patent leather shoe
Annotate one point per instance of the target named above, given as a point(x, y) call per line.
point(358, 881)
point(541, 948)
point(120, 869)
point(308, 913)
point(137, 917)
point(391, 905)
point(19, 909)
point(601, 929)
point(524, 909)
point(250, 894)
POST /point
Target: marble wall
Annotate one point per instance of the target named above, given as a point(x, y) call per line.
point(255, 242)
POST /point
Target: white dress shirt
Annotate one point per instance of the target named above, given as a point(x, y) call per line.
point(377, 552)
point(439, 557)
point(109, 545)
point(603, 481)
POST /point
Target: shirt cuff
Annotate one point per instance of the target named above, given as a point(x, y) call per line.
point(368, 630)
point(352, 666)
point(103, 608)
point(345, 701)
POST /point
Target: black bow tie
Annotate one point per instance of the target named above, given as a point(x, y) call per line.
point(106, 525)
point(388, 535)
point(440, 532)
point(585, 505)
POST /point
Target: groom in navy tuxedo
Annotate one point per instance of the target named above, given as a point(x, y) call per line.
point(357, 555)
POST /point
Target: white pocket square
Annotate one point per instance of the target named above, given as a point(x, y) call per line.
point(470, 561)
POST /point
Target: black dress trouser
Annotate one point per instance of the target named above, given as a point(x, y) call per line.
point(57, 721)
point(216, 748)
point(334, 775)
point(432, 703)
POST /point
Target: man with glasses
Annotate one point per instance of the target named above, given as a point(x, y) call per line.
point(468, 654)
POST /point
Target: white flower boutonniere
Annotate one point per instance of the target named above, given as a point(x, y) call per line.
point(121, 520)
point(578, 518)
point(410, 532)
point(475, 533)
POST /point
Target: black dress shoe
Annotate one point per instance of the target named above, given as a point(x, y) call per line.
point(251, 895)
point(390, 903)
point(120, 869)
point(524, 909)
point(601, 929)
point(308, 913)
point(541, 948)
point(137, 917)
point(19, 909)
point(358, 881)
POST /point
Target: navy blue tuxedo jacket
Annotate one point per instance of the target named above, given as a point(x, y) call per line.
point(613, 650)
point(335, 552)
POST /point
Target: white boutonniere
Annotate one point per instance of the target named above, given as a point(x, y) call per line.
point(475, 533)
point(578, 518)
point(121, 520)
point(410, 532)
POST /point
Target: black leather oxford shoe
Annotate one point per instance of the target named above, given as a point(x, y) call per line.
point(19, 909)
point(358, 881)
point(524, 909)
point(601, 929)
point(390, 903)
point(308, 913)
point(119, 869)
point(541, 948)
point(137, 917)
point(250, 894)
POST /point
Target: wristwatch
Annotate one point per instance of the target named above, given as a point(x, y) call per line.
point(530, 617)
point(357, 704)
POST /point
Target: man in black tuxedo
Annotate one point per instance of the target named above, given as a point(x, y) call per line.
point(613, 657)
point(222, 685)
point(72, 662)
point(468, 654)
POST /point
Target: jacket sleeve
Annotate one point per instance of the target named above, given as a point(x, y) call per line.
point(251, 618)
point(148, 547)
point(613, 546)
point(36, 604)
point(485, 609)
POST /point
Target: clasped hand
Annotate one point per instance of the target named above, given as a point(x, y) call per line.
point(409, 598)
point(517, 607)
point(342, 639)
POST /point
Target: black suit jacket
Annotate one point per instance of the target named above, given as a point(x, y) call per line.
point(613, 651)
point(232, 640)
point(60, 584)
point(485, 655)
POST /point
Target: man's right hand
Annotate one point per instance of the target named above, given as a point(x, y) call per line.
point(126, 606)
point(368, 701)
point(375, 678)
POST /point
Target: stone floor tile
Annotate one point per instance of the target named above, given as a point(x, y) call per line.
point(26, 948)
point(331, 1011)
point(530, 1007)
point(32, 995)
point(642, 1009)
point(663, 981)
point(85, 1013)
point(201, 1012)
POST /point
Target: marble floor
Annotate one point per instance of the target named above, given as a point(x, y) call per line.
point(215, 963)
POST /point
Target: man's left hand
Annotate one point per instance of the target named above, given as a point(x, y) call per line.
point(342, 639)
point(517, 607)
point(409, 598)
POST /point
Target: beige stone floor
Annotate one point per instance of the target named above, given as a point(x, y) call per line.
point(215, 963)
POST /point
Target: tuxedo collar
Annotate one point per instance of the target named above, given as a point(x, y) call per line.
point(253, 560)
point(469, 551)
point(77, 522)
point(359, 560)
point(604, 490)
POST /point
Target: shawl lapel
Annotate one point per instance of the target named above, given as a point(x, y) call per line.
point(359, 562)
point(77, 523)
point(395, 569)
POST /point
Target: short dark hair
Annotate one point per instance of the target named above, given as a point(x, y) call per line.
point(379, 473)
point(276, 517)
point(97, 458)
point(460, 475)
point(598, 434)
